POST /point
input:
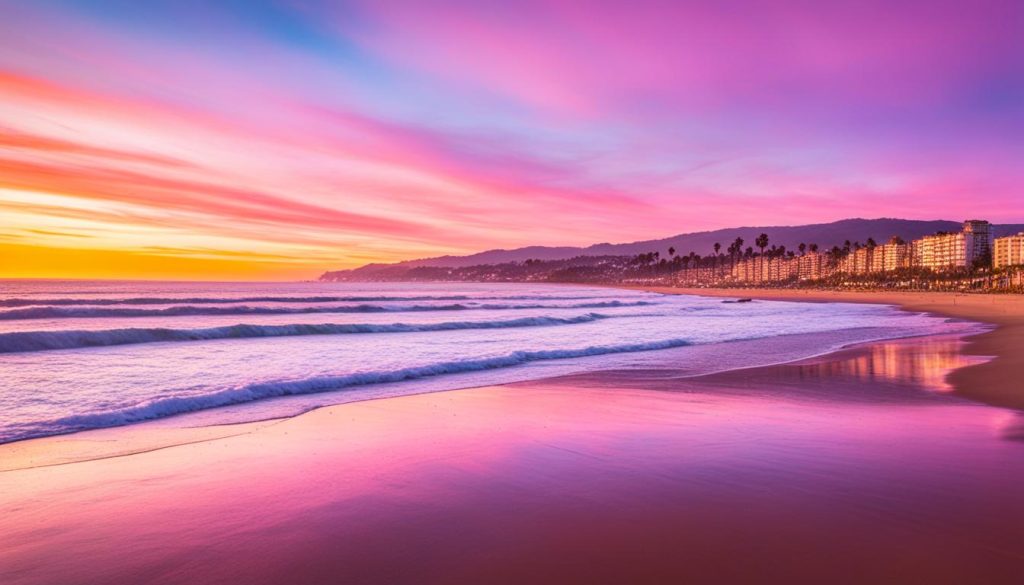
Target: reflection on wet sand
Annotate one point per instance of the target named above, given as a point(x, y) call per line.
point(921, 363)
point(849, 468)
point(903, 370)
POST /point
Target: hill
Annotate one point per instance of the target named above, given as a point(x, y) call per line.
point(824, 234)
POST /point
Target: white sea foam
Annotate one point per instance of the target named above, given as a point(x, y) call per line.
point(283, 358)
point(156, 300)
point(24, 341)
point(55, 312)
point(168, 406)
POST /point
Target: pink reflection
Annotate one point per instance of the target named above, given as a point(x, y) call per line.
point(921, 363)
point(556, 481)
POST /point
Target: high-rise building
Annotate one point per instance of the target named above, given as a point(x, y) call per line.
point(893, 255)
point(955, 250)
point(860, 261)
point(810, 266)
point(877, 257)
point(1008, 251)
point(980, 233)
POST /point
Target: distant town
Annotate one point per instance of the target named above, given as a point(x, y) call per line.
point(970, 259)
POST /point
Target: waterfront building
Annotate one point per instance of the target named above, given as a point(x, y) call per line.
point(894, 255)
point(943, 251)
point(860, 261)
point(743, 270)
point(1008, 251)
point(810, 266)
point(877, 259)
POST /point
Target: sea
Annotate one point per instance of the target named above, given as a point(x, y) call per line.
point(78, 355)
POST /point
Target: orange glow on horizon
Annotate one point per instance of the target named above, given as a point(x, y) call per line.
point(23, 261)
point(279, 147)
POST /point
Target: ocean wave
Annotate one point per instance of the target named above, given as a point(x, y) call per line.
point(189, 310)
point(27, 341)
point(169, 406)
point(70, 301)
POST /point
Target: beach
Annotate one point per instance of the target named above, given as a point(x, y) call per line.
point(998, 381)
point(891, 461)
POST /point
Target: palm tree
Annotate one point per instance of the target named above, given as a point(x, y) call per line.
point(837, 253)
point(762, 242)
point(813, 247)
point(671, 251)
point(717, 247)
point(871, 244)
point(738, 242)
point(803, 248)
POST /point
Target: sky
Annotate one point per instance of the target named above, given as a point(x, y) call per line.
point(254, 139)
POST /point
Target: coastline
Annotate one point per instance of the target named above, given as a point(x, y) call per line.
point(990, 382)
point(978, 380)
point(536, 481)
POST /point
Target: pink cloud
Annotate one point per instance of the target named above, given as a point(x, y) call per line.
point(455, 126)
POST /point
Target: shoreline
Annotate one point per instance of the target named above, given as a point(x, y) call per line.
point(148, 436)
point(535, 481)
point(973, 382)
point(987, 382)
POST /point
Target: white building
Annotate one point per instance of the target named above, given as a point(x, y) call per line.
point(1008, 251)
point(955, 250)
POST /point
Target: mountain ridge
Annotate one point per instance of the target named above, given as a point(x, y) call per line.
point(824, 234)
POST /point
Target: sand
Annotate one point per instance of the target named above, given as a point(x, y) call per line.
point(869, 465)
point(999, 381)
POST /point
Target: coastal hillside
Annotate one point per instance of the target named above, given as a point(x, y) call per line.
point(825, 235)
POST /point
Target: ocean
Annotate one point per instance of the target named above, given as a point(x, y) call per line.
point(79, 355)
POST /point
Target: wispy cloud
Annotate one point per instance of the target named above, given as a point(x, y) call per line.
point(340, 133)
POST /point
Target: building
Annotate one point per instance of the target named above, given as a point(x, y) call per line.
point(893, 255)
point(980, 233)
point(877, 263)
point(785, 268)
point(763, 269)
point(844, 263)
point(1008, 251)
point(943, 251)
point(860, 261)
point(745, 270)
point(811, 266)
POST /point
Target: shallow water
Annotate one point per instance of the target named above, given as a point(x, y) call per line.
point(81, 355)
point(849, 468)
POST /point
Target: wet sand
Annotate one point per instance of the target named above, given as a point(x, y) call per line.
point(999, 381)
point(862, 466)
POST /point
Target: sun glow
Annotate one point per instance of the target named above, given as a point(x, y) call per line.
point(275, 144)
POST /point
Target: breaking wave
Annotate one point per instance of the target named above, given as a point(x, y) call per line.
point(56, 312)
point(66, 301)
point(169, 406)
point(24, 341)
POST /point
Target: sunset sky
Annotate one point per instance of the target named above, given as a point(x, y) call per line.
point(271, 140)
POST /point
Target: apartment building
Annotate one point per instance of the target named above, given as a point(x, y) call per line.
point(860, 261)
point(954, 250)
point(765, 269)
point(1008, 251)
point(893, 255)
point(811, 266)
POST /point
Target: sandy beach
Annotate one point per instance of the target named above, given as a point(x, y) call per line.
point(997, 381)
point(770, 474)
